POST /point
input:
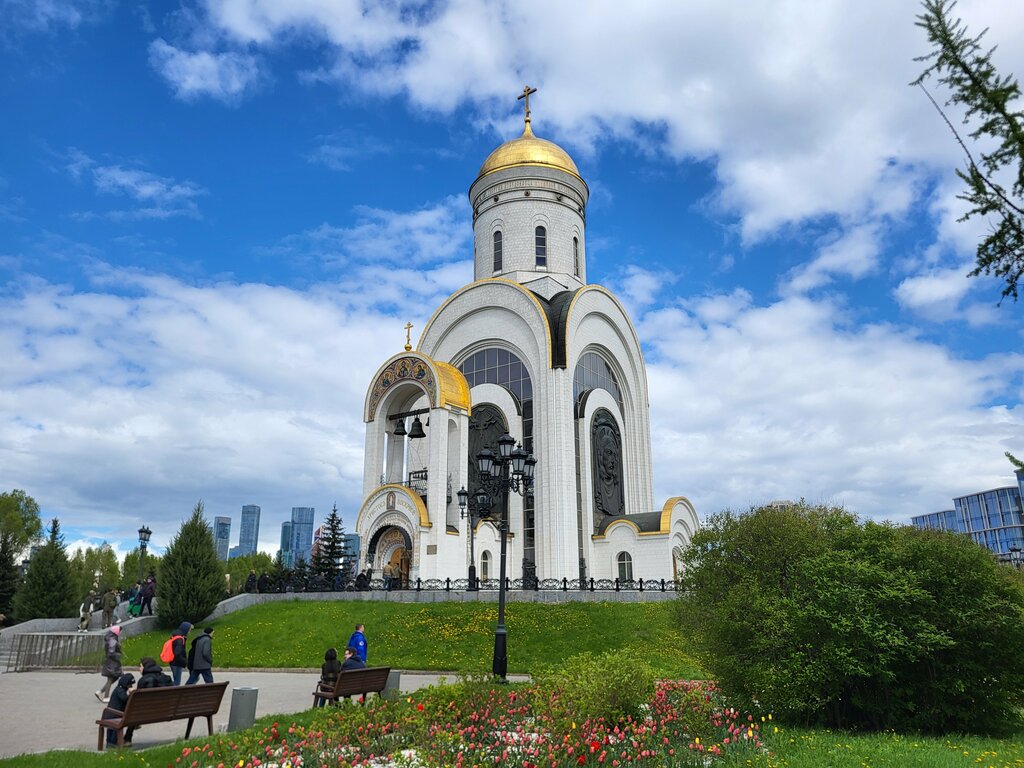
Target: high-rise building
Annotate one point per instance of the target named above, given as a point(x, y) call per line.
point(222, 535)
point(249, 530)
point(302, 534)
point(994, 519)
point(286, 543)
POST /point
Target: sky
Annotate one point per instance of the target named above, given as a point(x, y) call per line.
point(216, 217)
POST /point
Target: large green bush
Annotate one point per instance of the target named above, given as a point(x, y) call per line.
point(824, 620)
point(612, 685)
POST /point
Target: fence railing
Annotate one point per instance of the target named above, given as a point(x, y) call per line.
point(533, 585)
point(55, 650)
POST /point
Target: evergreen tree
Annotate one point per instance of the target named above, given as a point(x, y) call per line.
point(328, 553)
point(48, 591)
point(278, 572)
point(300, 574)
point(963, 66)
point(348, 563)
point(191, 575)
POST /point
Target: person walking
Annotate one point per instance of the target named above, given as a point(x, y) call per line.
point(85, 611)
point(148, 593)
point(108, 605)
point(358, 643)
point(111, 661)
point(179, 662)
point(200, 658)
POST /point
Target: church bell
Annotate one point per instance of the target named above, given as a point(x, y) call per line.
point(416, 431)
point(400, 428)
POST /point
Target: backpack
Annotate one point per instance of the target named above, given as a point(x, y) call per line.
point(167, 654)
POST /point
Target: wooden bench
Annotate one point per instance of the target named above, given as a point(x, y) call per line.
point(161, 705)
point(352, 682)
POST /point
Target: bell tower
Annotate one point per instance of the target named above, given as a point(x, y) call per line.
point(529, 214)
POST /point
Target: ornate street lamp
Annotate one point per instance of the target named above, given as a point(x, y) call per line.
point(144, 534)
point(474, 507)
point(502, 474)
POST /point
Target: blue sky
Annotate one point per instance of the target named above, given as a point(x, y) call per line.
point(216, 217)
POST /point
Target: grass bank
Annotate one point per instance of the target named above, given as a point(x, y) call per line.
point(439, 636)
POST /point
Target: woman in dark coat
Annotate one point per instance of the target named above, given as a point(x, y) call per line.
point(329, 672)
point(111, 661)
point(153, 676)
point(118, 701)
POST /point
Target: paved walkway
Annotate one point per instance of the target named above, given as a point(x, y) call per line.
point(57, 710)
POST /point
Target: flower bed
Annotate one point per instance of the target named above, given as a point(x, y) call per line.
point(474, 724)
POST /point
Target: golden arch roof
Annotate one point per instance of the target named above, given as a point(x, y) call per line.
point(529, 150)
point(443, 384)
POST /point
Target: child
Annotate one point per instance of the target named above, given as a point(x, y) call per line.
point(115, 708)
point(329, 672)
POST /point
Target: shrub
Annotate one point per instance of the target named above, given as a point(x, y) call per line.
point(611, 685)
point(827, 621)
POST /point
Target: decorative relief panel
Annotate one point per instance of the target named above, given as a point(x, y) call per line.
point(606, 461)
point(403, 369)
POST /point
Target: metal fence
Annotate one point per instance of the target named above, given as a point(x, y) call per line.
point(55, 650)
point(526, 585)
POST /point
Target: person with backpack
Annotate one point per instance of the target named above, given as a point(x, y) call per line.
point(200, 658)
point(173, 652)
point(108, 604)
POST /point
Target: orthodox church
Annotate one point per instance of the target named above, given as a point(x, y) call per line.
point(530, 349)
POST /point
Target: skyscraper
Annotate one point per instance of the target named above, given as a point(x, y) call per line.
point(249, 530)
point(286, 543)
point(302, 534)
point(222, 535)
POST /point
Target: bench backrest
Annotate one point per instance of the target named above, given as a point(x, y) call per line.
point(352, 681)
point(153, 705)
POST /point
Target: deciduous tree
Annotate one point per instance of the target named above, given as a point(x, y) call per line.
point(824, 620)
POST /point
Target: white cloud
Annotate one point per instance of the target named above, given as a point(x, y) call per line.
point(47, 15)
point(787, 400)
point(158, 197)
point(223, 76)
point(854, 254)
point(438, 233)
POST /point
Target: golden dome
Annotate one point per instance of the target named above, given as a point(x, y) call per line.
point(529, 150)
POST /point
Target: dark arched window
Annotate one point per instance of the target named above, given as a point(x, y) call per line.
point(497, 251)
point(576, 255)
point(485, 565)
point(541, 243)
point(625, 566)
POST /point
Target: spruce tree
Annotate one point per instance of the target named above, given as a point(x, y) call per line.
point(329, 551)
point(191, 575)
point(9, 576)
point(48, 591)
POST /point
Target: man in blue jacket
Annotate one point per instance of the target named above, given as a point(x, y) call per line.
point(358, 641)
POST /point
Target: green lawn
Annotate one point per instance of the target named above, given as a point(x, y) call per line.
point(438, 636)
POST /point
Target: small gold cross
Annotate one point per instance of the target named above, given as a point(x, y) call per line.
point(408, 343)
point(527, 90)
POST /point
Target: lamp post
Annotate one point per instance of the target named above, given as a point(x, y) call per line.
point(144, 534)
point(473, 508)
point(502, 474)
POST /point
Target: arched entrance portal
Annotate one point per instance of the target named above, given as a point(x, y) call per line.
point(391, 546)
